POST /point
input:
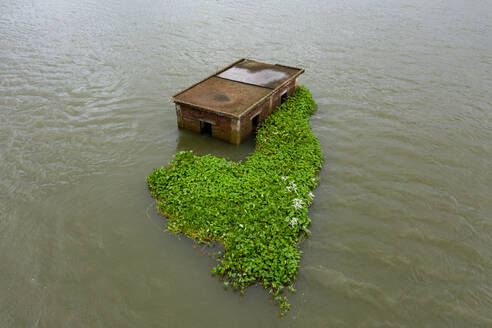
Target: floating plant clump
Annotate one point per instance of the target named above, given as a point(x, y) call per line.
point(257, 209)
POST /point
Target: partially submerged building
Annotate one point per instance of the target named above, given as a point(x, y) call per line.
point(232, 102)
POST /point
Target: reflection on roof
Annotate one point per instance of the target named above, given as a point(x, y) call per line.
point(261, 74)
point(236, 88)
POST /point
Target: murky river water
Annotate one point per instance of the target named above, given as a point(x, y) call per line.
point(402, 219)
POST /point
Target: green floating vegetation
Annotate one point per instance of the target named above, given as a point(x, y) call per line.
point(257, 209)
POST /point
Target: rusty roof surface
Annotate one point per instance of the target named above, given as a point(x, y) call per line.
point(261, 74)
point(234, 90)
point(221, 95)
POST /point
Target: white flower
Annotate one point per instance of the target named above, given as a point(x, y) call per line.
point(284, 178)
point(292, 186)
point(241, 226)
point(293, 221)
point(297, 203)
point(310, 195)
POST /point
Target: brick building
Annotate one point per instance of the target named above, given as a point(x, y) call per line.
point(232, 102)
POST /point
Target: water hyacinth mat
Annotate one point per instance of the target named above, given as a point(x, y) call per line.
point(256, 209)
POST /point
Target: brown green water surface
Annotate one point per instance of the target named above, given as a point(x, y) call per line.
point(402, 219)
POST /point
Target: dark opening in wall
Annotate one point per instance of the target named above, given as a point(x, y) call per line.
point(205, 128)
point(283, 98)
point(255, 121)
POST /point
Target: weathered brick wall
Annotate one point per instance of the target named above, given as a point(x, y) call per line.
point(191, 117)
point(264, 110)
point(292, 87)
point(222, 128)
point(276, 97)
point(247, 123)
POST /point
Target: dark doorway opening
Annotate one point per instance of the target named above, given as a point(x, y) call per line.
point(205, 128)
point(254, 122)
point(283, 98)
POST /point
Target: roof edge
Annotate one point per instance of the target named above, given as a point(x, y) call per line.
point(206, 109)
point(172, 99)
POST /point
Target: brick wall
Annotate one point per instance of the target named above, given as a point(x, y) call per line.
point(191, 117)
point(263, 110)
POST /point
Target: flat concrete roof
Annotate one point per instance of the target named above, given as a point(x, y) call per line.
point(237, 88)
point(223, 95)
point(260, 74)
